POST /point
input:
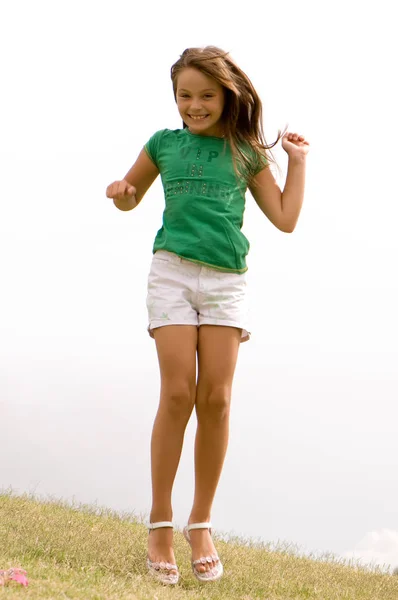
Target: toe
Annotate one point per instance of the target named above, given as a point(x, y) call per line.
point(212, 565)
point(201, 566)
point(209, 565)
point(201, 569)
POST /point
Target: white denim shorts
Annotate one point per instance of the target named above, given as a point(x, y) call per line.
point(181, 292)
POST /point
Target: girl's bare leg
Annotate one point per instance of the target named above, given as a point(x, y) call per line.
point(176, 347)
point(217, 355)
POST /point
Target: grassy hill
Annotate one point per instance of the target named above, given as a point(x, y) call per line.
point(93, 554)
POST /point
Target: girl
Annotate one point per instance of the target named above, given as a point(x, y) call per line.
point(196, 287)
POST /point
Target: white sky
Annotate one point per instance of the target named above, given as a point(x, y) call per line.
point(314, 446)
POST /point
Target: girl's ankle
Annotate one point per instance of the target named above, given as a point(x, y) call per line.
point(198, 518)
point(157, 516)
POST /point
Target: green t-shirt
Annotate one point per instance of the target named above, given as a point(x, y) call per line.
point(205, 200)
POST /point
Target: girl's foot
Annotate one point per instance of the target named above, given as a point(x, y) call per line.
point(205, 561)
point(161, 559)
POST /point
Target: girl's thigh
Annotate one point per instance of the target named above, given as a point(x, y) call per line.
point(218, 348)
point(176, 347)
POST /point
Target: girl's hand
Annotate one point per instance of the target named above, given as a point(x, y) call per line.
point(123, 194)
point(121, 191)
point(295, 145)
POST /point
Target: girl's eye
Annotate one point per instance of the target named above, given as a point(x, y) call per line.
point(209, 96)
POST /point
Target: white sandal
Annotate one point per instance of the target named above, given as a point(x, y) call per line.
point(159, 569)
point(214, 573)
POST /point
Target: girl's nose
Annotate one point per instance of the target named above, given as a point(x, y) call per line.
point(195, 104)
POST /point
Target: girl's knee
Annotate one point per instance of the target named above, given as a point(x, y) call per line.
point(215, 403)
point(178, 400)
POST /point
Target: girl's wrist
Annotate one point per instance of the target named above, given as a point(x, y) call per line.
point(297, 158)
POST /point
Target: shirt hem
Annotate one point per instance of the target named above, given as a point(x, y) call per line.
point(205, 264)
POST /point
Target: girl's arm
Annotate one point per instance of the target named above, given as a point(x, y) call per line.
point(142, 174)
point(128, 193)
point(283, 208)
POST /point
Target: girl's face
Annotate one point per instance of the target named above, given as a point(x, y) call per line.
point(200, 102)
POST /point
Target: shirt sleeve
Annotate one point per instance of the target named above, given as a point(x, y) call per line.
point(256, 158)
point(260, 163)
point(152, 146)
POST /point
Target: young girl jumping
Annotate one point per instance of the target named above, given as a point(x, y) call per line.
point(196, 300)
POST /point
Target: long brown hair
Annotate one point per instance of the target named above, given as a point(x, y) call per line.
point(242, 114)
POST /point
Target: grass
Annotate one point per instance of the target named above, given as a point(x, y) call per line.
point(88, 553)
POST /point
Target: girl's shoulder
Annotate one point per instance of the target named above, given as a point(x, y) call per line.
point(164, 140)
point(162, 134)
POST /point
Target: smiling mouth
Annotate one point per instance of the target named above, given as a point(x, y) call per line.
point(198, 117)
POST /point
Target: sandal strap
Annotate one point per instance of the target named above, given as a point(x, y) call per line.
point(206, 559)
point(199, 526)
point(161, 565)
point(160, 524)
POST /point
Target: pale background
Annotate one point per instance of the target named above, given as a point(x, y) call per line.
point(313, 458)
